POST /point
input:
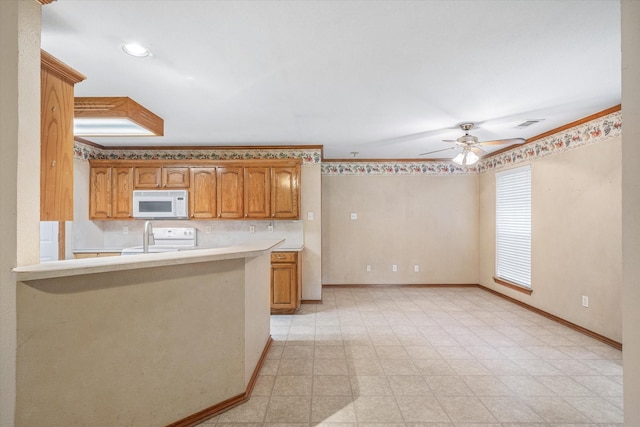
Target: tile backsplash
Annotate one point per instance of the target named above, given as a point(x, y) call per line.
point(122, 234)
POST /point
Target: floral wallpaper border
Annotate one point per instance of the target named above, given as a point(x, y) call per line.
point(595, 131)
point(308, 156)
point(599, 130)
point(395, 168)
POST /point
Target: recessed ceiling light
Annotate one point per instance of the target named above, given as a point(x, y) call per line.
point(136, 49)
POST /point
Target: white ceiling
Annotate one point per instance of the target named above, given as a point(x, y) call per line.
point(386, 79)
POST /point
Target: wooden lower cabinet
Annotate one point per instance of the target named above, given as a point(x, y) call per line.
point(286, 282)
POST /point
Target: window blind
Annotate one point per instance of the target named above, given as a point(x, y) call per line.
point(513, 225)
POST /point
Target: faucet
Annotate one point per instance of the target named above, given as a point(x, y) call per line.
point(148, 232)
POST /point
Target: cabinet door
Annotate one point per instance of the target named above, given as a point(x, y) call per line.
point(173, 177)
point(230, 192)
point(283, 286)
point(202, 193)
point(148, 177)
point(122, 193)
point(257, 187)
point(56, 148)
point(100, 193)
point(285, 193)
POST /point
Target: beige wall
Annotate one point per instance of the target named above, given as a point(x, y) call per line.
point(428, 220)
point(631, 208)
point(19, 163)
point(575, 243)
point(312, 255)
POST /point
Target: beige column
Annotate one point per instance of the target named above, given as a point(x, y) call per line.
point(19, 165)
point(631, 208)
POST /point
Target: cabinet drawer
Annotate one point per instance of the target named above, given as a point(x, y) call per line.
point(284, 256)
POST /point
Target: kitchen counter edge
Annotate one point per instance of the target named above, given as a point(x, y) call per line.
point(76, 267)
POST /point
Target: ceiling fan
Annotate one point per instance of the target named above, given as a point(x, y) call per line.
point(471, 151)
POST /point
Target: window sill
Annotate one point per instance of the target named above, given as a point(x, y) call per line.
point(513, 286)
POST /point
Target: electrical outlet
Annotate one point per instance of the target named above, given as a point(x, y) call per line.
point(354, 215)
point(270, 228)
point(585, 301)
point(310, 216)
point(416, 268)
point(394, 267)
point(368, 267)
point(125, 230)
point(207, 229)
point(252, 229)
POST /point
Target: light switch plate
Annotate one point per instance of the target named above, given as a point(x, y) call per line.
point(310, 216)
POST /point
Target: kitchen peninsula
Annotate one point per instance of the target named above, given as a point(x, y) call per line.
point(147, 339)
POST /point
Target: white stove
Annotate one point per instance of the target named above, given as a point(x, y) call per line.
point(167, 239)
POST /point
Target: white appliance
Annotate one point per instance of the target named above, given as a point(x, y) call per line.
point(166, 204)
point(167, 239)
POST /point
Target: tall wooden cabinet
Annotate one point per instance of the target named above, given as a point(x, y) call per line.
point(56, 138)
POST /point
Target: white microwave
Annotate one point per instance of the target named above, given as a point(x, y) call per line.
point(154, 204)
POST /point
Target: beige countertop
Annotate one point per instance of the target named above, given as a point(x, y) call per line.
point(283, 248)
point(75, 267)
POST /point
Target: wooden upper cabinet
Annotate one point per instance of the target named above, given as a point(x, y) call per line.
point(56, 138)
point(285, 192)
point(257, 188)
point(161, 177)
point(122, 192)
point(239, 189)
point(175, 177)
point(148, 178)
point(110, 193)
point(202, 193)
point(100, 193)
point(230, 189)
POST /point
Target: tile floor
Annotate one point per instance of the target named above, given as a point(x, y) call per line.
point(429, 357)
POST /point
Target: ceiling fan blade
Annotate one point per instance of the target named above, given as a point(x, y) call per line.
point(437, 151)
point(406, 138)
point(478, 151)
point(449, 140)
point(503, 141)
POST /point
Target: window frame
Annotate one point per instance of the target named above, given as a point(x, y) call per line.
point(513, 233)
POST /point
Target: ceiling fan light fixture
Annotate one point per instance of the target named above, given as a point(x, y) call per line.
point(459, 159)
point(466, 158)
